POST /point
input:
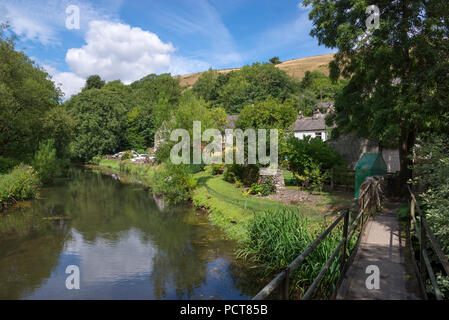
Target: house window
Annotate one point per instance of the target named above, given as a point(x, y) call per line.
point(319, 135)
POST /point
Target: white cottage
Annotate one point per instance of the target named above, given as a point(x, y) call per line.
point(314, 127)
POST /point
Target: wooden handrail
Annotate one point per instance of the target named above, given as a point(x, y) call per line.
point(282, 278)
point(423, 230)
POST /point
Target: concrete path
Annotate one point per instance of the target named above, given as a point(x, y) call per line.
point(382, 246)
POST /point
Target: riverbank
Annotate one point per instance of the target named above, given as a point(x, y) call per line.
point(226, 205)
point(22, 183)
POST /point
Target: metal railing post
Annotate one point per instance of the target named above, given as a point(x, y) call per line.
point(422, 264)
point(345, 240)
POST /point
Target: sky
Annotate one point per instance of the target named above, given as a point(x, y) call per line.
point(129, 39)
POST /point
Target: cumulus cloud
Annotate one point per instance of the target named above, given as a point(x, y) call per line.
point(118, 51)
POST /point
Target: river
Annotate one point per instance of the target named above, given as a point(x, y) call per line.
point(124, 245)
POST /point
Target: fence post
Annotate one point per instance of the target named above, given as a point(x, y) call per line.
point(345, 240)
point(422, 246)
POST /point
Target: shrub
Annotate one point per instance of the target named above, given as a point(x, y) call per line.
point(311, 161)
point(96, 160)
point(256, 189)
point(20, 184)
point(175, 182)
point(45, 161)
point(277, 237)
point(127, 155)
point(217, 169)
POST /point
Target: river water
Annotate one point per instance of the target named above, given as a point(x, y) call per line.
point(124, 245)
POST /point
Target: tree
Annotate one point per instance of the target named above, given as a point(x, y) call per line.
point(94, 82)
point(275, 60)
point(206, 85)
point(398, 84)
point(100, 123)
point(26, 95)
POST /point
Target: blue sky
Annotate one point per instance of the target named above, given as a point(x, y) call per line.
point(127, 40)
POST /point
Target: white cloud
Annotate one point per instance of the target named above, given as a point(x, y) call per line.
point(119, 51)
point(70, 83)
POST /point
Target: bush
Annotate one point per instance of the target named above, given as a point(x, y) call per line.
point(264, 189)
point(248, 174)
point(127, 155)
point(277, 237)
point(311, 161)
point(96, 160)
point(21, 183)
point(175, 182)
point(217, 169)
point(45, 161)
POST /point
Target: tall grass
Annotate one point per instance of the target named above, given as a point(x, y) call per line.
point(20, 184)
point(277, 237)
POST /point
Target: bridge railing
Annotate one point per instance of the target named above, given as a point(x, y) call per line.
point(368, 198)
point(425, 236)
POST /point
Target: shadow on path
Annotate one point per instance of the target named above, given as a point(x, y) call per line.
point(382, 246)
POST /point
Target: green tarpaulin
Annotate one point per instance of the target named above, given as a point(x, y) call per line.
point(370, 164)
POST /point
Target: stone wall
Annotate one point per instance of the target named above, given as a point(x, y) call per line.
point(352, 148)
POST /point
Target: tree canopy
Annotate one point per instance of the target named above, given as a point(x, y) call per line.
point(398, 73)
point(27, 94)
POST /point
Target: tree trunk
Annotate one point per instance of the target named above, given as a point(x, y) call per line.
point(406, 143)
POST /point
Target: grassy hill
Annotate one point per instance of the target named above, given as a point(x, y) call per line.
point(295, 68)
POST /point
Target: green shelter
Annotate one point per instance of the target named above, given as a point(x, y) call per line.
point(370, 164)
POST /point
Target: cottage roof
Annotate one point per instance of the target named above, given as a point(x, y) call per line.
point(310, 124)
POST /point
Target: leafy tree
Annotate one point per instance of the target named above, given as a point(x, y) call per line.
point(398, 83)
point(206, 85)
point(100, 123)
point(27, 93)
point(94, 82)
point(46, 162)
point(269, 114)
point(236, 89)
point(275, 60)
point(59, 126)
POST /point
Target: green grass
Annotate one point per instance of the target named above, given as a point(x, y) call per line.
point(22, 183)
point(276, 237)
point(229, 209)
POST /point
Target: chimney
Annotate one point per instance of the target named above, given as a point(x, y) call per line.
point(300, 116)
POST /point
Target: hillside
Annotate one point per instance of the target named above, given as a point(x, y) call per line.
point(295, 68)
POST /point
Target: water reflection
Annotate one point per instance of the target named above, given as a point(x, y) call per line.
point(125, 246)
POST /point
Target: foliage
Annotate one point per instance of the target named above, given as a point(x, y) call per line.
point(59, 126)
point(175, 182)
point(46, 162)
point(99, 116)
point(275, 60)
point(398, 85)
point(217, 169)
point(404, 212)
point(127, 155)
point(247, 175)
point(264, 189)
point(311, 160)
point(7, 164)
point(94, 82)
point(27, 94)
point(238, 88)
point(268, 114)
point(277, 237)
point(432, 173)
point(21, 183)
